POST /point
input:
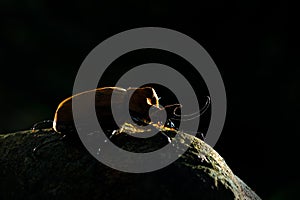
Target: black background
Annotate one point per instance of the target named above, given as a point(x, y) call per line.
point(43, 43)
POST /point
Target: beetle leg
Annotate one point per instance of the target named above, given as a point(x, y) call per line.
point(114, 133)
point(170, 124)
point(200, 135)
point(168, 138)
point(42, 124)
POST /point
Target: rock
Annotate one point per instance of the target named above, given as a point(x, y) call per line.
point(65, 170)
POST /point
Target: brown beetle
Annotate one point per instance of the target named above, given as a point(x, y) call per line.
point(139, 104)
point(141, 99)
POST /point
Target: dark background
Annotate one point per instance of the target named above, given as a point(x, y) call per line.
point(43, 43)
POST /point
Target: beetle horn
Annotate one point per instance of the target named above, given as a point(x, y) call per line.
point(192, 115)
point(188, 116)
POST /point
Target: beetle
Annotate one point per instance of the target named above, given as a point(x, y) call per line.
point(141, 100)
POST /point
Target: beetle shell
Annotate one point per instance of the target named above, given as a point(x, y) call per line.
point(141, 99)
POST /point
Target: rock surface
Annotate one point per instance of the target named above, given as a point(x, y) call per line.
point(65, 170)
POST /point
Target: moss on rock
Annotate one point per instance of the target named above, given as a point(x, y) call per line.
point(65, 170)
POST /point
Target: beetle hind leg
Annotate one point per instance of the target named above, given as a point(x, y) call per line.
point(42, 125)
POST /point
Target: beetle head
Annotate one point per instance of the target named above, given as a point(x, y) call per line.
point(141, 100)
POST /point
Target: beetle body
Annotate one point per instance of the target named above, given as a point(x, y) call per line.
point(141, 99)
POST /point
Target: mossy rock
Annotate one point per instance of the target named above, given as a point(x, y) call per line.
point(65, 170)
